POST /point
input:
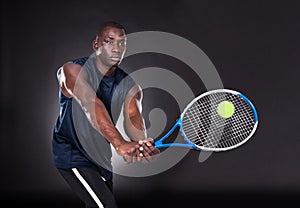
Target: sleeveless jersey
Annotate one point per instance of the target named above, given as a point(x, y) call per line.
point(75, 142)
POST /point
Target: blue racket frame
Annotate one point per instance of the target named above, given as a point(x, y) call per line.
point(251, 105)
point(189, 144)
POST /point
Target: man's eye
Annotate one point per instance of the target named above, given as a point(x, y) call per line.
point(122, 43)
point(109, 42)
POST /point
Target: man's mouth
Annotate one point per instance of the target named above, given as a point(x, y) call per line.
point(116, 58)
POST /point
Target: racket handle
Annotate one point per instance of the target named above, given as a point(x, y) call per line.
point(187, 145)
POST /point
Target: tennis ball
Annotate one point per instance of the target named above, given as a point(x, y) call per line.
point(225, 109)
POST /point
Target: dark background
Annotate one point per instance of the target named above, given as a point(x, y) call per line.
point(254, 45)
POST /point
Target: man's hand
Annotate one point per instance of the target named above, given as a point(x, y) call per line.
point(129, 151)
point(127, 148)
point(147, 150)
point(143, 150)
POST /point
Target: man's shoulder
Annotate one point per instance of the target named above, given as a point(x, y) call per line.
point(80, 61)
point(71, 69)
point(75, 64)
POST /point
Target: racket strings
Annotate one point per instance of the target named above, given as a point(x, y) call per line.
point(204, 115)
point(206, 128)
point(240, 126)
point(230, 134)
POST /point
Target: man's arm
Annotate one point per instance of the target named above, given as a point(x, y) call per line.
point(133, 121)
point(73, 82)
point(134, 124)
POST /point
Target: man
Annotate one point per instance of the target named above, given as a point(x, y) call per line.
point(92, 93)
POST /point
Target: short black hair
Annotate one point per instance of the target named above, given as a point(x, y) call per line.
point(106, 24)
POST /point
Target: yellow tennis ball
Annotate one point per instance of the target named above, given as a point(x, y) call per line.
point(225, 109)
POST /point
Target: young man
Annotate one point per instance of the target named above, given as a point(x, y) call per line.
point(92, 93)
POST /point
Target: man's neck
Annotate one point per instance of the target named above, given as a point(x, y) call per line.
point(104, 70)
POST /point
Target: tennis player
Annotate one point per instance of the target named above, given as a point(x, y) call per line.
point(93, 92)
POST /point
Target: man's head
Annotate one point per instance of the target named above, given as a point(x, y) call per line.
point(110, 44)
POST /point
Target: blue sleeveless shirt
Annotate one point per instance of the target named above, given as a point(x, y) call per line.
point(75, 143)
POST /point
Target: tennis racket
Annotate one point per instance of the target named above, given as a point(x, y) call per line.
point(217, 120)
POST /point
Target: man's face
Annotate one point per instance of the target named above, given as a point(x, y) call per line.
point(112, 46)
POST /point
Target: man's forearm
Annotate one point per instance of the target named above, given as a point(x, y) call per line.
point(101, 121)
point(135, 128)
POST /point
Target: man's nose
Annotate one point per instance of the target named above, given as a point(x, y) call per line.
point(116, 48)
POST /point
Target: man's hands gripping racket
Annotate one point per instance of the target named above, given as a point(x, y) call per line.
point(217, 120)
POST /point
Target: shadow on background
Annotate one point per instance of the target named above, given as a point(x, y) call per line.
point(163, 199)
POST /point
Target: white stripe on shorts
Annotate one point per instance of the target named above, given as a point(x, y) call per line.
point(88, 188)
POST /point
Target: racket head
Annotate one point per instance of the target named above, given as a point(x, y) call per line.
point(207, 130)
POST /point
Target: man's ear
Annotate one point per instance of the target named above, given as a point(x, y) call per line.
point(95, 45)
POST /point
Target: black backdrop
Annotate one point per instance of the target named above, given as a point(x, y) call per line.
point(253, 44)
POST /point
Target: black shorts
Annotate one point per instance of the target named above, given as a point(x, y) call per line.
point(90, 187)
